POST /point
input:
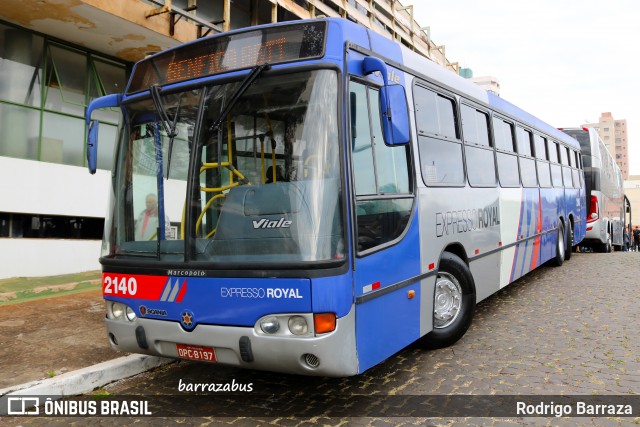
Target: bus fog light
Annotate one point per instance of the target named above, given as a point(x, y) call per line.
point(117, 309)
point(131, 315)
point(298, 325)
point(270, 325)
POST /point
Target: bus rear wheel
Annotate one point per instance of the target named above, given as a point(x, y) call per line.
point(606, 246)
point(560, 246)
point(569, 246)
point(453, 305)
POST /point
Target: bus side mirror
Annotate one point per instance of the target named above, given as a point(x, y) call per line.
point(109, 101)
point(395, 117)
point(92, 147)
point(393, 105)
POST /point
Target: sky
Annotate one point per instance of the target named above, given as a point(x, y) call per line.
point(564, 61)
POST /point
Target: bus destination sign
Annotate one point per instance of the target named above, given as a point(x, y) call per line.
point(224, 53)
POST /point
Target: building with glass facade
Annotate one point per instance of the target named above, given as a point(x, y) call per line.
point(58, 55)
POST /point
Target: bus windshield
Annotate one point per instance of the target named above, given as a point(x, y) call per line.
point(265, 171)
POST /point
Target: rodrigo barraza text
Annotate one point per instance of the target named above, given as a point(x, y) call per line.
point(577, 409)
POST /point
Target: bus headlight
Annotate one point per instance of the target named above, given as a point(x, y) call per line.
point(131, 315)
point(270, 325)
point(117, 310)
point(120, 311)
point(298, 325)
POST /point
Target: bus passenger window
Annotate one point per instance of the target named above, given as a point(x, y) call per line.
point(544, 173)
point(508, 170)
point(475, 128)
point(435, 113)
point(440, 149)
point(479, 156)
point(524, 141)
point(566, 166)
point(528, 168)
point(540, 146)
point(441, 161)
point(552, 149)
point(556, 169)
point(480, 166)
point(503, 135)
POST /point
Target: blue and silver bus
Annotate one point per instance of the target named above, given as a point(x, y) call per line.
point(604, 187)
point(311, 198)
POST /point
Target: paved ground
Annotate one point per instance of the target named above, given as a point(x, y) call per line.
point(568, 330)
point(48, 337)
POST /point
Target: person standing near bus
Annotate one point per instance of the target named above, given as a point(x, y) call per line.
point(625, 236)
point(636, 239)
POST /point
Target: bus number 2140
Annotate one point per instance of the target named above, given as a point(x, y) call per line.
point(120, 286)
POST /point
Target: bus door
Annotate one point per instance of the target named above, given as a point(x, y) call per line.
point(386, 234)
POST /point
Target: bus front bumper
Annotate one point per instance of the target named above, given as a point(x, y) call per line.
point(334, 352)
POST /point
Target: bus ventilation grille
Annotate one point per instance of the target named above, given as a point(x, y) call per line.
point(312, 360)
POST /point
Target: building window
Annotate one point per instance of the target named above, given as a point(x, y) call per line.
point(15, 225)
point(45, 88)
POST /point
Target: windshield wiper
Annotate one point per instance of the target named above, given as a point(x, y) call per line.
point(253, 75)
point(168, 125)
point(217, 124)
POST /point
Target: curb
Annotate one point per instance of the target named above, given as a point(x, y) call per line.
point(86, 379)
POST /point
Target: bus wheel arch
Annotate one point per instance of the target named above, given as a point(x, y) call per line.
point(454, 302)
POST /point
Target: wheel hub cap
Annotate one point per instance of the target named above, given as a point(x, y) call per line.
point(448, 300)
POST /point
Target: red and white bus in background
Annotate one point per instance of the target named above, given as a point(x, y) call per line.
point(605, 192)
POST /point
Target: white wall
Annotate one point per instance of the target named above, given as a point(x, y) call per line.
point(34, 187)
point(47, 257)
point(28, 186)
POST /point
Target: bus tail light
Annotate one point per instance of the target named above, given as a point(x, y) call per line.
point(324, 322)
point(594, 211)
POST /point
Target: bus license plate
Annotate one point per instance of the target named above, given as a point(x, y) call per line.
point(196, 352)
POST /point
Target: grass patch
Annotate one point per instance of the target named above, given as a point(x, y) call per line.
point(21, 289)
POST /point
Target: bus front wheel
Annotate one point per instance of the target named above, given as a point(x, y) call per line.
point(453, 304)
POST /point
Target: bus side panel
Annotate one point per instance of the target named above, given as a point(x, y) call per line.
point(527, 254)
point(388, 322)
point(510, 212)
point(332, 294)
point(386, 325)
point(580, 219)
point(574, 204)
point(486, 275)
point(552, 209)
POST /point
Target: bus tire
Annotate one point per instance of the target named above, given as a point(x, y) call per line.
point(568, 251)
point(606, 246)
point(560, 246)
point(454, 303)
